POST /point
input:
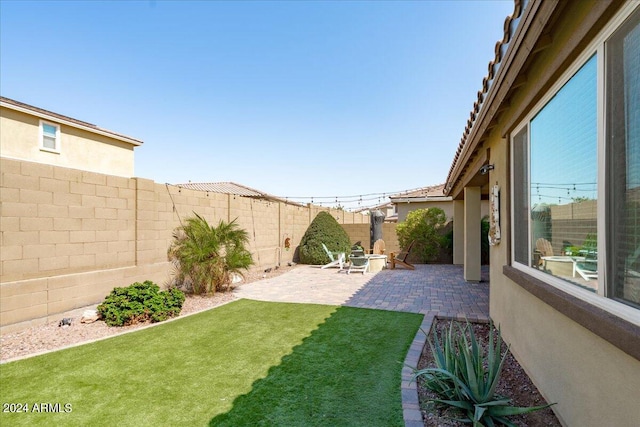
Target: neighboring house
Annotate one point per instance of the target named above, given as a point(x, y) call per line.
point(556, 130)
point(427, 197)
point(36, 135)
point(388, 209)
point(235, 189)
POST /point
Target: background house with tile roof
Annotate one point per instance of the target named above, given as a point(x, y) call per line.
point(427, 197)
point(36, 135)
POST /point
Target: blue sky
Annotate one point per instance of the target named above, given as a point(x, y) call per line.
point(312, 98)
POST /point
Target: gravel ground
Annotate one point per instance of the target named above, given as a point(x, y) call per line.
point(49, 337)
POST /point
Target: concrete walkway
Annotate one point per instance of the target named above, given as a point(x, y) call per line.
point(432, 290)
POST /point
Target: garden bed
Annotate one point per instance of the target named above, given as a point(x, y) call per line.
point(514, 383)
point(49, 337)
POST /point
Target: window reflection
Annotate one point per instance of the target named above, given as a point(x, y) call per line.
point(623, 142)
point(563, 186)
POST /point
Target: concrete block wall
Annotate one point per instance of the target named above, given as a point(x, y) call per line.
point(361, 232)
point(68, 236)
point(390, 237)
point(57, 221)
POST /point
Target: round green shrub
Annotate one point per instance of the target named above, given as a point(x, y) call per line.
point(323, 229)
point(140, 302)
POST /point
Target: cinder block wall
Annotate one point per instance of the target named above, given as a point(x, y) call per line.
point(68, 236)
point(361, 232)
point(390, 237)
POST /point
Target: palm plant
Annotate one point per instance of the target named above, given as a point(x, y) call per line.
point(205, 257)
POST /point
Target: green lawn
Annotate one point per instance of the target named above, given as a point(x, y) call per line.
point(244, 363)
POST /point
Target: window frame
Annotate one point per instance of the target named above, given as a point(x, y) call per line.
point(600, 299)
point(57, 139)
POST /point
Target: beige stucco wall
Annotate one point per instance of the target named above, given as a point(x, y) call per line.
point(458, 232)
point(79, 149)
point(472, 234)
point(593, 382)
point(69, 236)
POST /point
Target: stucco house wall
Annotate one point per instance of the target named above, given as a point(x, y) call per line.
point(581, 350)
point(82, 145)
point(446, 206)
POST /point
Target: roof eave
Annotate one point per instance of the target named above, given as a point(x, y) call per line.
point(532, 22)
point(421, 199)
point(61, 120)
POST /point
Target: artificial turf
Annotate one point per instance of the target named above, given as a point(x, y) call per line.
point(244, 363)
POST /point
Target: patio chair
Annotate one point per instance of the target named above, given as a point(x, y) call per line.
point(543, 249)
point(378, 247)
point(358, 263)
point(337, 258)
point(356, 252)
point(632, 262)
point(587, 269)
point(401, 258)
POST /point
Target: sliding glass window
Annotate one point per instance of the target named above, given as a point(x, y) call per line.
point(588, 129)
point(623, 143)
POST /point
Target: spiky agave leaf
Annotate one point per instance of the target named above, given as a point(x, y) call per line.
point(467, 377)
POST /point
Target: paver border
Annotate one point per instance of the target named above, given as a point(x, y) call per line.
point(409, 386)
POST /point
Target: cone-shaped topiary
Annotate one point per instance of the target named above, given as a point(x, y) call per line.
point(323, 229)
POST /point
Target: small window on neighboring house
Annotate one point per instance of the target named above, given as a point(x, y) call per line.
point(49, 137)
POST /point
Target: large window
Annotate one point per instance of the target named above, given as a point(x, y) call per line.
point(623, 144)
point(576, 158)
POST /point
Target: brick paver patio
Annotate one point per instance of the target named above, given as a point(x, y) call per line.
point(432, 290)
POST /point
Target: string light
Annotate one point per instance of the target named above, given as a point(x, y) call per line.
point(357, 202)
point(368, 196)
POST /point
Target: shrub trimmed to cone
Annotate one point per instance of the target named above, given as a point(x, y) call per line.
point(323, 229)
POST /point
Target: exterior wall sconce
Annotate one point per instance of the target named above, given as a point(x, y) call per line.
point(486, 168)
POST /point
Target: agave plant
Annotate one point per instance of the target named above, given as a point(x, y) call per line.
point(466, 377)
point(205, 256)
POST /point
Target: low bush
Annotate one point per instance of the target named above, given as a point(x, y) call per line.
point(466, 376)
point(323, 229)
point(140, 302)
point(484, 240)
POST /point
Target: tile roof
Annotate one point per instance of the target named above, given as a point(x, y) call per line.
point(232, 188)
point(510, 25)
point(384, 205)
point(431, 191)
point(11, 103)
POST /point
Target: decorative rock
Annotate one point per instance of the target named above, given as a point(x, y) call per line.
point(236, 278)
point(89, 316)
point(66, 322)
